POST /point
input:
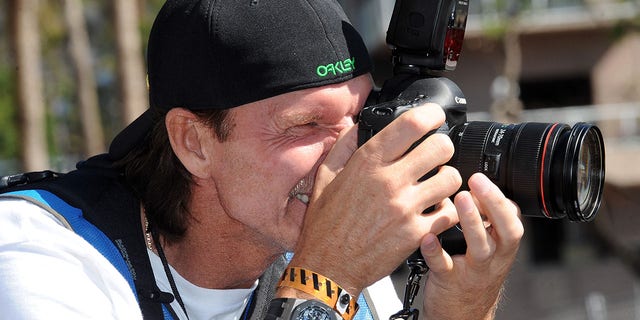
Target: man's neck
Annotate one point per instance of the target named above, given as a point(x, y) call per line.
point(218, 261)
point(219, 252)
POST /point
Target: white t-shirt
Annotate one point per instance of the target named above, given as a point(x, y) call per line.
point(49, 272)
point(201, 303)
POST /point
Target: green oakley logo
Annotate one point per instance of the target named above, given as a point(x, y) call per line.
point(336, 68)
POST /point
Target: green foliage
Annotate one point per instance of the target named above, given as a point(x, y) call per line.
point(8, 115)
point(495, 29)
point(52, 28)
point(626, 26)
point(149, 13)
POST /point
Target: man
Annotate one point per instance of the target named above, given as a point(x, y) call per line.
point(247, 152)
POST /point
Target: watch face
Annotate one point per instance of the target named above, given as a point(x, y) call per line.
point(313, 310)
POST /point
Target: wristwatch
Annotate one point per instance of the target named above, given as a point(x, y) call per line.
point(300, 309)
point(322, 289)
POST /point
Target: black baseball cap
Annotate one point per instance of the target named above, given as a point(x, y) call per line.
point(219, 54)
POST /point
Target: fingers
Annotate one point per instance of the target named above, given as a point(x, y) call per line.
point(480, 245)
point(376, 192)
point(337, 157)
point(437, 259)
point(506, 227)
point(342, 150)
point(434, 151)
point(392, 152)
point(393, 141)
point(468, 286)
point(443, 217)
point(443, 184)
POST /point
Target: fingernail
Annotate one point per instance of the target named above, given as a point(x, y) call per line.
point(430, 242)
point(464, 202)
point(483, 184)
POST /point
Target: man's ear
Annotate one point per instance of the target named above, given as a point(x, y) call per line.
point(186, 134)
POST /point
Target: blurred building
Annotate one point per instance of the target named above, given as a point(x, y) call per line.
point(574, 60)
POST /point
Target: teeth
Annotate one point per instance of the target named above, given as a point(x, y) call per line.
point(303, 197)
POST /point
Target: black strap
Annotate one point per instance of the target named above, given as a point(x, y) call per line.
point(98, 190)
point(276, 308)
point(167, 270)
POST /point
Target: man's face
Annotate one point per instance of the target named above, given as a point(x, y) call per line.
point(268, 164)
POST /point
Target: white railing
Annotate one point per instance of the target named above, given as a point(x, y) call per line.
point(549, 14)
point(620, 125)
point(371, 17)
point(625, 117)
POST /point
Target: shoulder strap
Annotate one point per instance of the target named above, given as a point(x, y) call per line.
point(73, 219)
point(266, 289)
point(100, 208)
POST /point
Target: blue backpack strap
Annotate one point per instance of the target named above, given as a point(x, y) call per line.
point(94, 196)
point(73, 218)
point(106, 213)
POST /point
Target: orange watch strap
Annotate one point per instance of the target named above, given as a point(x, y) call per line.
point(322, 288)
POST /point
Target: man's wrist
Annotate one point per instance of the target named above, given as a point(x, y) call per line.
point(288, 292)
point(302, 283)
point(300, 309)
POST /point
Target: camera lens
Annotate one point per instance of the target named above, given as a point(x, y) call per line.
point(584, 172)
point(549, 169)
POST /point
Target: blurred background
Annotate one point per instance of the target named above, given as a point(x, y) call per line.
point(72, 74)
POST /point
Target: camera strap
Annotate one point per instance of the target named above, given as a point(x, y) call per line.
point(417, 269)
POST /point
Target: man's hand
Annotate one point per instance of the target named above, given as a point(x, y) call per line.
point(468, 286)
point(365, 216)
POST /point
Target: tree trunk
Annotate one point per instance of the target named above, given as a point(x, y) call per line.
point(507, 105)
point(131, 70)
point(80, 51)
point(23, 15)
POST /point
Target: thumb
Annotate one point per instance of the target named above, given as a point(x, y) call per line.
point(437, 259)
point(340, 153)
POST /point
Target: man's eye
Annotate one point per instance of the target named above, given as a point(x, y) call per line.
point(307, 125)
point(302, 129)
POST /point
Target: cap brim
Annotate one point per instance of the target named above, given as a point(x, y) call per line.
point(132, 136)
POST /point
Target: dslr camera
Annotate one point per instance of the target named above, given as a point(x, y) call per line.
point(551, 170)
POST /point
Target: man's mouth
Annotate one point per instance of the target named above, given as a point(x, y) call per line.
point(303, 197)
point(300, 191)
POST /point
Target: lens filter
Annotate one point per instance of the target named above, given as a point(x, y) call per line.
point(583, 172)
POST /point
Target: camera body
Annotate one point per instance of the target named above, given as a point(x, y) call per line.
point(419, 90)
point(550, 170)
point(427, 34)
point(378, 114)
point(425, 37)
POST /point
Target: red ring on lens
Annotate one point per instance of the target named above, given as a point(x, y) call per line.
point(545, 211)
